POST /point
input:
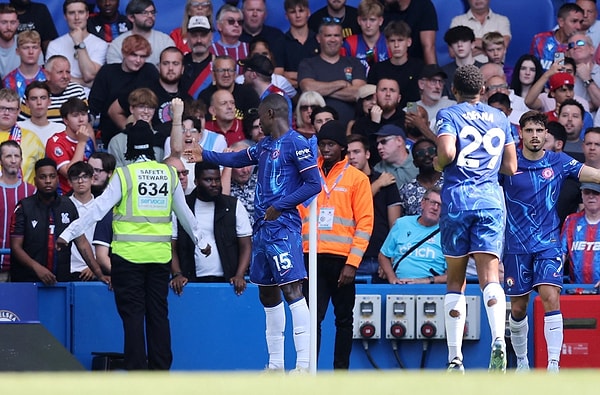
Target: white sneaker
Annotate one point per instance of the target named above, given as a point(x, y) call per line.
point(553, 366)
point(299, 371)
point(522, 365)
point(456, 366)
point(272, 371)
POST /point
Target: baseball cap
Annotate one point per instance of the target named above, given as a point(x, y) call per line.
point(590, 185)
point(198, 23)
point(560, 79)
point(259, 63)
point(366, 91)
point(391, 130)
point(431, 70)
point(334, 131)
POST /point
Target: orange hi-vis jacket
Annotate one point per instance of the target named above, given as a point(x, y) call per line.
point(352, 204)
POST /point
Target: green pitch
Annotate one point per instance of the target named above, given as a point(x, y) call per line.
point(568, 382)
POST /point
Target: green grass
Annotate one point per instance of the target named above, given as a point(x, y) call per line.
point(568, 382)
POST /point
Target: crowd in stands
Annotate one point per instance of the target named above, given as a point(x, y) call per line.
point(76, 102)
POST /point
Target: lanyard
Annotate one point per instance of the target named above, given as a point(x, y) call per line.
point(337, 180)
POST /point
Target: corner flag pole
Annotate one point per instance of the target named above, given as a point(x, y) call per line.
point(312, 283)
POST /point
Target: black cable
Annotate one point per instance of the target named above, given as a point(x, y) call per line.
point(424, 353)
point(368, 353)
point(397, 354)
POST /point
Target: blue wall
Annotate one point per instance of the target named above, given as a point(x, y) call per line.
point(213, 329)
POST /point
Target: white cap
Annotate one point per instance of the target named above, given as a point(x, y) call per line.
point(199, 23)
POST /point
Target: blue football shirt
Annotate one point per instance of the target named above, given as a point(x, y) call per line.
point(471, 180)
point(532, 223)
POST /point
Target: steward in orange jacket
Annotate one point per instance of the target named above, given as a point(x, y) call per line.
point(344, 225)
point(352, 204)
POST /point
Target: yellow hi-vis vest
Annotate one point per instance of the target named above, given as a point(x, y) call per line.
point(141, 225)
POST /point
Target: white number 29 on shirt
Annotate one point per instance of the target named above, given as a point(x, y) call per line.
point(492, 142)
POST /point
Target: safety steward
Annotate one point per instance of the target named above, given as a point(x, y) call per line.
point(344, 226)
point(143, 193)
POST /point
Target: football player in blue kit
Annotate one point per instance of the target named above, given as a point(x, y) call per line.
point(287, 176)
point(533, 259)
point(474, 145)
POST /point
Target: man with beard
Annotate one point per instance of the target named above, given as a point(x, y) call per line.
point(142, 15)
point(224, 221)
point(533, 259)
point(8, 42)
point(108, 23)
point(384, 112)
point(12, 190)
point(103, 165)
point(411, 193)
point(166, 88)
point(197, 75)
point(431, 84)
point(35, 16)
point(36, 222)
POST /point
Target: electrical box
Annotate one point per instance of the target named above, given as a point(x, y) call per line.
point(429, 313)
point(400, 317)
point(473, 319)
point(367, 317)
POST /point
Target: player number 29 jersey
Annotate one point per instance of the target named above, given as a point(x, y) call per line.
point(481, 132)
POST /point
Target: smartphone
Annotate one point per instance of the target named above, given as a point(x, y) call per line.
point(411, 107)
point(559, 57)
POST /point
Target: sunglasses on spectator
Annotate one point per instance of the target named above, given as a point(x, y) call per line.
point(200, 4)
point(385, 140)
point(578, 43)
point(430, 151)
point(312, 107)
point(183, 172)
point(232, 21)
point(329, 19)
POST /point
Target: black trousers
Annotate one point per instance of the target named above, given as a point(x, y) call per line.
point(141, 292)
point(342, 298)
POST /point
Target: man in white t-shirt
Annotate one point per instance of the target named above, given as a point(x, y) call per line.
point(37, 99)
point(224, 220)
point(80, 178)
point(86, 53)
